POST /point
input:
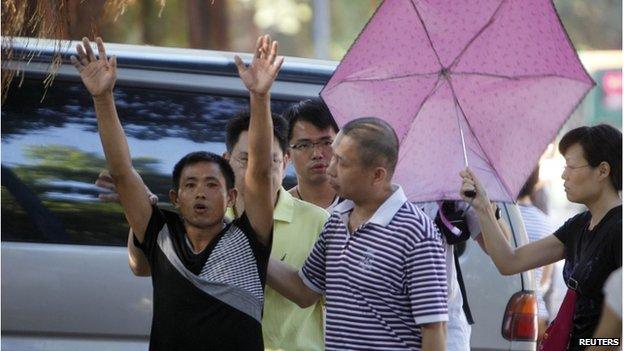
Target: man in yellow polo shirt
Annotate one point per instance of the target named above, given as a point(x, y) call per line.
point(296, 226)
point(286, 326)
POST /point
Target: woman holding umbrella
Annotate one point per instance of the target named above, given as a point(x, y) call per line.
point(590, 242)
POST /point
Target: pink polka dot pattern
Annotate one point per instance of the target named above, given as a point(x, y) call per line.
point(503, 70)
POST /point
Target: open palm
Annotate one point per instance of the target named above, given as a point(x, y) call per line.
point(260, 74)
point(98, 75)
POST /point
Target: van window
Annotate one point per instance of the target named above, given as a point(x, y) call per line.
point(51, 155)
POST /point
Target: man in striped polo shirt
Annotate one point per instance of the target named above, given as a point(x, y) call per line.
point(379, 260)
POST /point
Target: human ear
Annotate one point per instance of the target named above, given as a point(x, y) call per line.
point(380, 174)
point(604, 169)
point(231, 197)
point(173, 197)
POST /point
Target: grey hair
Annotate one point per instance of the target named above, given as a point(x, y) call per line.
point(377, 141)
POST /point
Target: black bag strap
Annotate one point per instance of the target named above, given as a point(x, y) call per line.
point(462, 288)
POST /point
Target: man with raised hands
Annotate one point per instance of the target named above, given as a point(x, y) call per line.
point(208, 274)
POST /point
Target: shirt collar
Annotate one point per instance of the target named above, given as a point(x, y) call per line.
point(384, 213)
point(284, 209)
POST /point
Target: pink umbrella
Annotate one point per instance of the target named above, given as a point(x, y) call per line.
point(485, 83)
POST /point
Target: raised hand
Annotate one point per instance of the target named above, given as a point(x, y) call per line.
point(97, 74)
point(105, 181)
point(260, 74)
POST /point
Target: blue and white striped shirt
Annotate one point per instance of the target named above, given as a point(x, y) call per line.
point(382, 281)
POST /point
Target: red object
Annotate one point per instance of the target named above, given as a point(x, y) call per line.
point(612, 83)
point(557, 335)
point(520, 322)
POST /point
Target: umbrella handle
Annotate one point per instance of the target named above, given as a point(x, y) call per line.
point(470, 193)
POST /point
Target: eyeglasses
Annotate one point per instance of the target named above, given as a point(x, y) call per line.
point(568, 168)
point(307, 146)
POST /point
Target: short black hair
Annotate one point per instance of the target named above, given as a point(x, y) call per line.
point(601, 143)
point(311, 110)
point(203, 156)
point(377, 141)
point(240, 123)
point(529, 185)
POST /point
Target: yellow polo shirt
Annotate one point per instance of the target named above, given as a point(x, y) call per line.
point(286, 326)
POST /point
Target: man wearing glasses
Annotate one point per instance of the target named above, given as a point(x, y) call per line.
point(311, 131)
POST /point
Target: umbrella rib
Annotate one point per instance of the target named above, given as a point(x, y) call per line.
point(487, 157)
point(435, 88)
point(389, 78)
point(502, 76)
point(485, 169)
point(427, 33)
point(350, 48)
point(484, 159)
point(487, 25)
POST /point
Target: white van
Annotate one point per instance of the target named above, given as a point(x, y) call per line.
point(66, 284)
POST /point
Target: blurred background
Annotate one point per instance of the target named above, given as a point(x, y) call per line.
point(321, 29)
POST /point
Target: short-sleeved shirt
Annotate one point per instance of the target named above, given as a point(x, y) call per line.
point(382, 281)
point(210, 300)
point(286, 326)
point(590, 256)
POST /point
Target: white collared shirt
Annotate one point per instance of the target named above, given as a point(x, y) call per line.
point(384, 213)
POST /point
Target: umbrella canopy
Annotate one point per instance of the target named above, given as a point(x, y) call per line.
point(504, 72)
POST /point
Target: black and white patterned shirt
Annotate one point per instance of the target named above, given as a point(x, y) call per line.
point(211, 300)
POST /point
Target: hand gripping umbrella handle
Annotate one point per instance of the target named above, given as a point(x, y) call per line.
point(470, 193)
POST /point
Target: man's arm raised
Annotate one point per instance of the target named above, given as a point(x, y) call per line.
point(99, 75)
point(259, 196)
